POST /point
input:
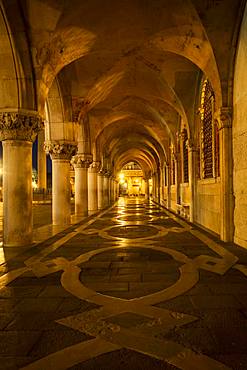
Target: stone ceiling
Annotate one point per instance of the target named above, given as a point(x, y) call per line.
point(132, 66)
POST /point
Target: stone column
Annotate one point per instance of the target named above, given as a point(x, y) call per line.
point(42, 182)
point(93, 187)
point(17, 131)
point(224, 118)
point(116, 190)
point(61, 153)
point(168, 186)
point(177, 180)
point(110, 189)
point(146, 189)
point(157, 187)
point(81, 163)
point(100, 180)
point(162, 184)
point(106, 189)
point(112, 193)
point(153, 188)
point(192, 153)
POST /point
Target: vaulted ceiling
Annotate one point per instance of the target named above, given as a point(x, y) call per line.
point(132, 66)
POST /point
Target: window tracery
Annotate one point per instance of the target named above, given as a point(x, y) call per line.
point(184, 137)
point(209, 138)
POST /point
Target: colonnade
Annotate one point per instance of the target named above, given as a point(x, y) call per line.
point(95, 186)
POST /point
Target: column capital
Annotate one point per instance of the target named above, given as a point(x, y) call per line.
point(60, 150)
point(224, 117)
point(94, 167)
point(82, 160)
point(20, 125)
point(104, 172)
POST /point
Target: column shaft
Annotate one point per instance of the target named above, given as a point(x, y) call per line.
point(17, 192)
point(61, 206)
point(18, 130)
point(81, 191)
point(100, 181)
point(42, 182)
point(106, 190)
point(92, 189)
point(146, 188)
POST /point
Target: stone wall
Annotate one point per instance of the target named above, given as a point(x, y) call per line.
point(208, 204)
point(240, 138)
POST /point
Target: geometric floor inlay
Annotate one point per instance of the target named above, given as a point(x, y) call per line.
point(134, 280)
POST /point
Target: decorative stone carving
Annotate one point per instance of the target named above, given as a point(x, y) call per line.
point(82, 160)
point(104, 172)
point(20, 125)
point(60, 150)
point(94, 167)
point(224, 117)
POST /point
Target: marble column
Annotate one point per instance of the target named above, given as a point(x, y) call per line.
point(224, 118)
point(146, 188)
point(100, 183)
point(61, 153)
point(116, 190)
point(42, 182)
point(81, 163)
point(111, 186)
point(18, 131)
point(106, 189)
point(93, 187)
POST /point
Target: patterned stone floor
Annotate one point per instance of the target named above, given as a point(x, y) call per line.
point(132, 288)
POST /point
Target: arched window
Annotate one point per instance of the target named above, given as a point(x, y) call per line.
point(207, 131)
point(185, 155)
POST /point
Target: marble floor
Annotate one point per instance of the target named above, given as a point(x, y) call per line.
point(133, 287)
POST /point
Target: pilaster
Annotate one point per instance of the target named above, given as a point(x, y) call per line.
point(224, 119)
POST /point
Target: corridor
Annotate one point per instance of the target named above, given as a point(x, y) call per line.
point(133, 287)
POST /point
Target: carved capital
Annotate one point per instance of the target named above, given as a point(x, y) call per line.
point(82, 160)
point(60, 150)
point(20, 125)
point(103, 171)
point(224, 117)
point(94, 167)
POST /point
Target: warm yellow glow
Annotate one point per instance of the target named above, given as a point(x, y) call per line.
point(34, 185)
point(121, 178)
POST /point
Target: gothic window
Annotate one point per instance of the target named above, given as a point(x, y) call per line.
point(185, 156)
point(207, 142)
